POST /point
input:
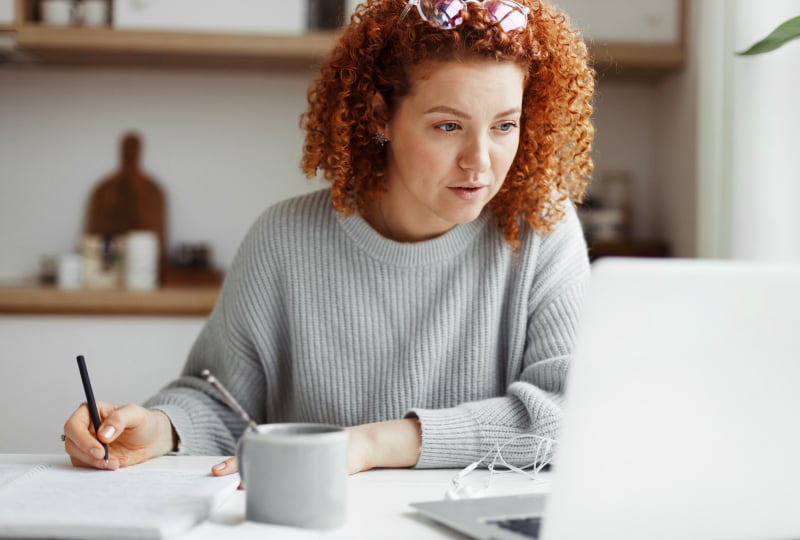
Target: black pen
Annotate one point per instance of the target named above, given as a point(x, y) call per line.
point(87, 388)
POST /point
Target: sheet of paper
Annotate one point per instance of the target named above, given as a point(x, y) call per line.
point(10, 472)
point(128, 503)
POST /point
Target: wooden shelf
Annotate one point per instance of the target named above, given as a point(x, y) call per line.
point(162, 302)
point(72, 46)
point(38, 44)
point(41, 44)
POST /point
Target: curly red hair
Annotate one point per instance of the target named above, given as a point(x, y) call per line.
point(376, 54)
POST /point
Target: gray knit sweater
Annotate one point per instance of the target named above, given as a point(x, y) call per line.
point(321, 319)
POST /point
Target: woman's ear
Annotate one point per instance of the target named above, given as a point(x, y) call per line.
point(380, 116)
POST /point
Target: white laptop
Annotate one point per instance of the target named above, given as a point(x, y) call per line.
point(682, 417)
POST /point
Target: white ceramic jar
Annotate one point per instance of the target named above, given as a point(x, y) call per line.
point(141, 260)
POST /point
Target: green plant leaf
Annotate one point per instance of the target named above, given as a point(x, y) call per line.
point(784, 33)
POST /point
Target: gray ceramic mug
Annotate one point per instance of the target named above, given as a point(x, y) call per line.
point(295, 474)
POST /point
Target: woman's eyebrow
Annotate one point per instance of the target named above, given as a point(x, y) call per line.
point(509, 112)
point(456, 112)
point(448, 110)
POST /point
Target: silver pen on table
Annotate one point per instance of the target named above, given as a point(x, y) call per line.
point(229, 399)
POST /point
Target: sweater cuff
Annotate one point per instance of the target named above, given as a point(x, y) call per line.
point(181, 423)
point(450, 437)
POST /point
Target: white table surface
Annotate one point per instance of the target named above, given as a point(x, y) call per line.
point(378, 501)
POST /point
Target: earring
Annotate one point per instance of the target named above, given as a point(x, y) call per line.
point(380, 138)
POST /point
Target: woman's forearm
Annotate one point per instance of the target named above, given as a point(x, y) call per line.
point(394, 444)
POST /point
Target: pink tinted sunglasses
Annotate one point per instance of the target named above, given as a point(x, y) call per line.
point(446, 14)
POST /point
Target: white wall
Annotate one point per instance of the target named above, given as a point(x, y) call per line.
point(765, 175)
point(222, 145)
point(128, 359)
point(748, 177)
point(625, 140)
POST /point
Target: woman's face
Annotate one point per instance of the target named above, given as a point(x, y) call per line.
point(451, 143)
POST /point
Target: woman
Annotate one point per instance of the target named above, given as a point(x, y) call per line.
point(428, 300)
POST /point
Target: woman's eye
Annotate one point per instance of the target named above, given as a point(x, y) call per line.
point(506, 126)
point(447, 126)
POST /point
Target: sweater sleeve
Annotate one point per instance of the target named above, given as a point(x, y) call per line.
point(205, 425)
point(535, 389)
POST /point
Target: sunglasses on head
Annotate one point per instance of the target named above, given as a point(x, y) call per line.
point(446, 14)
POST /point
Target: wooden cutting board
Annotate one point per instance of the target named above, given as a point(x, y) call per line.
point(128, 200)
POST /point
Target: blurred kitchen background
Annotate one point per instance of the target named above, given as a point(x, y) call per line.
point(695, 156)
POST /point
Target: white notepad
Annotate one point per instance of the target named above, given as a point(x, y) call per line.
point(61, 501)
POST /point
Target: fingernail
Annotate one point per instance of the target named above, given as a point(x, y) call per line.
point(108, 432)
point(98, 453)
point(220, 466)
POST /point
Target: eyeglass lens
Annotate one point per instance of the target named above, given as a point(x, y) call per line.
point(507, 15)
point(446, 14)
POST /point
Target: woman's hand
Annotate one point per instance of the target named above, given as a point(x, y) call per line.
point(394, 443)
point(133, 434)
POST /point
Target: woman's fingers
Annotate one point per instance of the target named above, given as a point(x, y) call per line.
point(229, 466)
point(80, 441)
point(117, 419)
point(86, 448)
point(90, 458)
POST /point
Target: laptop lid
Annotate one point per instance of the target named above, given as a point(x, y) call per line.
point(682, 413)
point(485, 518)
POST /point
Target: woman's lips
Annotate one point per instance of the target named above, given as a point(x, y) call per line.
point(467, 193)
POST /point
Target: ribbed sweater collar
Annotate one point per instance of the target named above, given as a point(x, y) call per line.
point(441, 248)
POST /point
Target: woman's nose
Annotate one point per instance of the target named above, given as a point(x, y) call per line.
point(475, 155)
